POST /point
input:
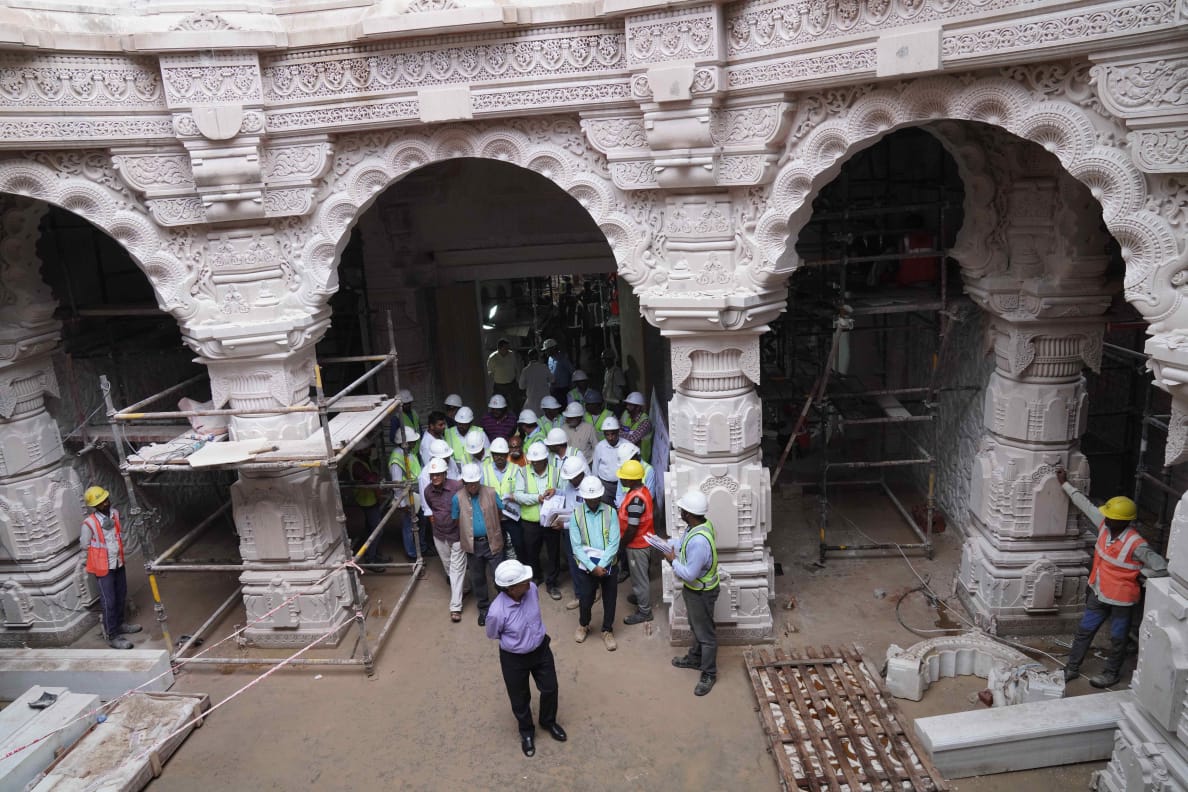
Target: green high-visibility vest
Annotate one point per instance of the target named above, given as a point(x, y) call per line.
point(709, 580)
point(645, 442)
point(531, 486)
point(598, 422)
point(494, 479)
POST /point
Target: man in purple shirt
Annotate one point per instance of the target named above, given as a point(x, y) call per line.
point(498, 422)
point(514, 620)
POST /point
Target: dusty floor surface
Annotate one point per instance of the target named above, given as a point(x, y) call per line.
point(435, 715)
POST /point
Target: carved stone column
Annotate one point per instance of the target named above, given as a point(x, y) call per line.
point(45, 592)
point(257, 340)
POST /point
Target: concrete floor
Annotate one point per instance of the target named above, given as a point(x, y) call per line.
point(435, 715)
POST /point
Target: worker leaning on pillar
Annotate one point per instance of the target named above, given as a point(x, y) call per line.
point(1119, 557)
point(103, 542)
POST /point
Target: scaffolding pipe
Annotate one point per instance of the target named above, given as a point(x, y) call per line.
point(206, 625)
point(359, 381)
point(1159, 484)
point(162, 394)
point(191, 535)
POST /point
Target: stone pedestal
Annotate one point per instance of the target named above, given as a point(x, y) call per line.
point(45, 591)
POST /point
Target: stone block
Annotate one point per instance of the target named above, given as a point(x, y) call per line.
point(728, 425)
point(739, 495)
point(1177, 545)
point(1160, 681)
point(46, 603)
point(1035, 412)
point(28, 444)
point(1014, 492)
point(1145, 757)
point(58, 726)
point(290, 517)
point(1025, 736)
point(40, 515)
point(318, 608)
point(916, 52)
point(449, 103)
point(105, 672)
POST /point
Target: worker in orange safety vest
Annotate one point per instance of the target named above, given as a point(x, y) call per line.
point(1118, 559)
point(103, 543)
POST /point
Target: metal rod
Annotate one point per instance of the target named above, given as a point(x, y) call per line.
point(866, 394)
point(300, 661)
point(882, 257)
point(903, 512)
point(206, 625)
point(1124, 351)
point(191, 535)
point(392, 509)
point(354, 359)
point(891, 419)
point(883, 463)
point(162, 394)
point(400, 603)
point(1159, 484)
point(141, 416)
point(358, 381)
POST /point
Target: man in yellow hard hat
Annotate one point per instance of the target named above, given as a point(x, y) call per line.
point(103, 543)
point(1118, 559)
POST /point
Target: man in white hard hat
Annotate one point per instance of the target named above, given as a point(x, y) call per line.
point(439, 496)
point(404, 466)
point(103, 543)
point(573, 471)
point(457, 434)
point(578, 384)
point(594, 536)
point(453, 403)
point(534, 484)
point(408, 417)
point(606, 458)
point(535, 379)
point(498, 420)
point(438, 449)
point(694, 559)
point(435, 429)
point(637, 425)
point(499, 474)
point(370, 500)
point(514, 620)
point(503, 366)
point(477, 509)
point(550, 414)
point(628, 451)
point(528, 428)
point(558, 444)
point(579, 433)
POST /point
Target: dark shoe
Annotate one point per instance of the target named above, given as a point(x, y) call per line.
point(383, 559)
point(631, 600)
point(554, 592)
point(686, 662)
point(482, 620)
point(528, 744)
point(637, 618)
point(130, 629)
point(704, 685)
point(1071, 673)
point(1104, 680)
point(557, 732)
point(455, 616)
point(119, 643)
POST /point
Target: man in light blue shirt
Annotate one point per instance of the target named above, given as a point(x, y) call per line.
point(594, 535)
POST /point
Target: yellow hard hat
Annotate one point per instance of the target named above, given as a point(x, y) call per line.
point(94, 496)
point(631, 470)
point(1119, 508)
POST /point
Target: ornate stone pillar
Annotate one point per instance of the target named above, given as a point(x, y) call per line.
point(44, 591)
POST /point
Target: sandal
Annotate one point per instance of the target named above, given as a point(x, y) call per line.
point(455, 616)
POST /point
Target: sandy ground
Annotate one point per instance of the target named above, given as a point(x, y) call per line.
point(435, 715)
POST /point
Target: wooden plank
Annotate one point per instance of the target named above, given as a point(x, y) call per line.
point(775, 737)
point(847, 713)
point(831, 731)
point(869, 719)
point(810, 733)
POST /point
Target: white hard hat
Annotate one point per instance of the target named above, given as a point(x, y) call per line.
point(464, 415)
point(549, 343)
point(410, 435)
point(437, 465)
point(591, 488)
point(527, 416)
point(475, 441)
point(497, 402)
point(556, 436)
point(611, 424)
point(580, 375)
point(574, 410)
point(635, 397)
point(440, 449)
point(405, 396)
point(471, 472)
point(499, 446)
point(511, 572)
point(549, 403)
point(627, 450)
point(453, 400)
point(573, 466)
point(537, 452)
point(694, 502)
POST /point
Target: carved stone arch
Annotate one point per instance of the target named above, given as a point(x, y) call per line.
point(366, 164)
point(1081, 139)
point(86, 183)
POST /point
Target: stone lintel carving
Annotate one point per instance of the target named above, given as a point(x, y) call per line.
point(1143, 83)
point(1046, 350)
point(676, 34)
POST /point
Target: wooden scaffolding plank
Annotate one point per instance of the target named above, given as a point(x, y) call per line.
point(866, 714)
point(849, 710)
point(830, 730)
point(775, 737)
point(810, 733)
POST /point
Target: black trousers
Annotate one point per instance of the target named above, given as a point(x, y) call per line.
point(480, 564)
point(113, 593)
point(609, 583)
point(699, 606)
point(516, 669)
point(1096, 612)
point(536, 536)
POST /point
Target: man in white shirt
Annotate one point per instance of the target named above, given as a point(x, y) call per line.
point(535, 380)
point(579, 431)
point(606, 459)
point(435, 429)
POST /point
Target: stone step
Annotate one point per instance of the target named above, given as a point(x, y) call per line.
point(104, 672)
point(20, 725)
point(1023, 736)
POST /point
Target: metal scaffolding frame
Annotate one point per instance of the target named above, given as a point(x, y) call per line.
point(331, 458)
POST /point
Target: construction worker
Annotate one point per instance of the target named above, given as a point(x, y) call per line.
point(606, 458)
point(578, 431)
point(573, 470)
point(535, 380)
point(458, 434)
point(515, 621)
point(1119, 558)
point(636, 517)
point(438, 449)
point(560, 369)
point(637, 424)
point(594, 535)
point(631, 451)
point(498, 421)
point(103, 542)
point(404, 466)
point(477, 509)
point(368, 497)
point(597, 414)
point(498, 474)
point(453, 403)
point(558, 444)
point(535, 483)
point(408, 418)
point(529, 429)
point(694, 560)
point(577, 390)
point(550, 414)
point(438, 497)
point(435, 429)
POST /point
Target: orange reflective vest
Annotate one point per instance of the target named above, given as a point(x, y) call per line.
point(645, 522)
point(1115, 570)
point(97, 549)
